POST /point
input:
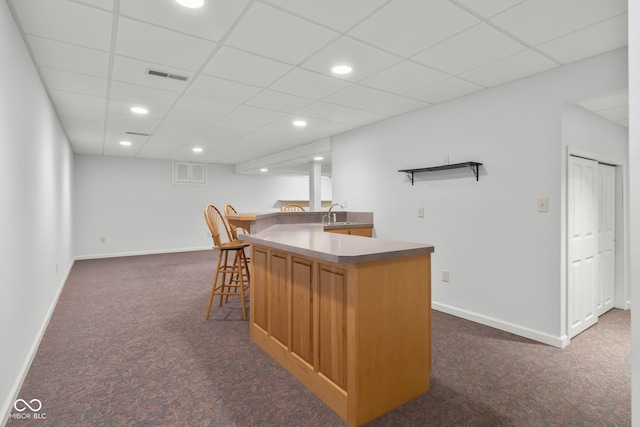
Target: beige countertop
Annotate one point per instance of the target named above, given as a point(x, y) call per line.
point(310, 240)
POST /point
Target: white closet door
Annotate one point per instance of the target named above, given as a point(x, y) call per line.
point(582, 245)
point(606, 238)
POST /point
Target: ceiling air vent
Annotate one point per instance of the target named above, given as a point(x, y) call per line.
point(137, 133)
point(167, 75)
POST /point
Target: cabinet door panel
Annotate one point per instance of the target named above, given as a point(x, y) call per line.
point(302, 309)
point(279, 303)
point(259, 287)
point(332, 339)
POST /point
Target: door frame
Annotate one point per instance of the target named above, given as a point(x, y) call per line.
point(622, 291)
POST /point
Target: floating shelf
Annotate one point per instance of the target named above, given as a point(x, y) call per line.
point(475, 167)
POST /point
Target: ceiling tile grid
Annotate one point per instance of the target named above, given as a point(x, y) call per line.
point(235, 74)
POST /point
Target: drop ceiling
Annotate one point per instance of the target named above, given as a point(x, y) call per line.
point(252, 67)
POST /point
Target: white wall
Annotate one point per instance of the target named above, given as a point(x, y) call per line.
point(35, 210)
point(504, 257)
point(133, 204)
point(634, 210)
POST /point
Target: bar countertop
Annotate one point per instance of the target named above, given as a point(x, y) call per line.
point(310, 240)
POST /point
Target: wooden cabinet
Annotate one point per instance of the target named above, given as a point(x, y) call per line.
point(353, 231)
point(357, 335)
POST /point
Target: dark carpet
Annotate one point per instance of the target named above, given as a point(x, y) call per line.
point(128, 345)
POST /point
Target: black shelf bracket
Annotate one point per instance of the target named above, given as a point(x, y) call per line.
point(475, 167)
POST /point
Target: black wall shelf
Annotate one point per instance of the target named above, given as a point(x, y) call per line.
point(475, 167)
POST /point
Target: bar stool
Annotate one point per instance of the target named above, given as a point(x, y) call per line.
point(234, 276)
point(292, 208)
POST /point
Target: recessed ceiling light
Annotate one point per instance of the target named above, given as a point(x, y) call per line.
point(299, 123)
point(139, 110)
point(125, 143)
point(197, 149)
point(341, 69)
point(193, 4)
point(318, 158)
point(264, 170)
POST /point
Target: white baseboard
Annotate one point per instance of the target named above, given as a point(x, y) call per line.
point(8, 404)
point(561, 341)
point(151, 252)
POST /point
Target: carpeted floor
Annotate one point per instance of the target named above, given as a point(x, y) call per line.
point(128, 346)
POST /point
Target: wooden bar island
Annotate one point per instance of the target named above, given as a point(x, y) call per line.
point(348, 316)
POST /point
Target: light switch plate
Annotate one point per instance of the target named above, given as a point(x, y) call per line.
point(543, 205)
point(420, 212)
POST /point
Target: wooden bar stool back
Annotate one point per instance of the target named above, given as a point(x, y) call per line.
point(293, 208)
point(229, 278)
point(230, 210)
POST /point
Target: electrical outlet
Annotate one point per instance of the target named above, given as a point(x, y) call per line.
point(543, 205)
point(445, 275)
point(420, 212)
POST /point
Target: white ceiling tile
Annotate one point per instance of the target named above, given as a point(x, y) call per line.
point(73, 82)
point(123, 123)
point(396, 106)
point(68, 57)
point(113, 148)
point(142, 94)
point(356, 96)
point(81, 113)
point(339, 114)
point(69, 123)
point(444, 90)
point(232, 127)
point(273, 33)
point(326, 111)
point(124, 107)
point(154, 44)
point(403, 77)
point(407, 27)
point(362, 117)
point(470, 49)
point(233, 64)
point(66, 21)
point(324, 12)
point(364, 59)
point(159, 148)
point(78, 100)
point(133, 71)
point(513, 67)
point(178, 131)
point(202, 109)
point(488, 8)
point(308, 84)
point(278, 101)
point(254, 116)
point(210, 22)
point(602, 37)
point(219, 135)
point(539, 21)
point(224, 90)
point(103, 4)
point(112, 143)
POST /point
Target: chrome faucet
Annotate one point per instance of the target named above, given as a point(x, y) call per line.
point(329, 219)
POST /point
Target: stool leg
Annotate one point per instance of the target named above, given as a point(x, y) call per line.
point(225, 272)
point(213, 286)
